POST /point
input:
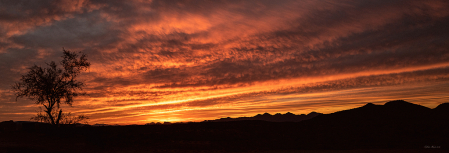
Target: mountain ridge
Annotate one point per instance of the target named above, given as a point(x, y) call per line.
point(408, 111)
point(278, 117)
point(395, 126)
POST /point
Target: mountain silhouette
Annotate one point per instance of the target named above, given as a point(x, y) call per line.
point(405, 106)
point(396, 124)
point(390, 112)
point(442, 108)
point(441, 112)
point(392, 127)
point(287, 117)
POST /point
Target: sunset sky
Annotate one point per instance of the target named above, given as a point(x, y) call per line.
point(180, 61)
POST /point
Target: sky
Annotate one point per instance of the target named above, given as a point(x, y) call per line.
point(194, 60)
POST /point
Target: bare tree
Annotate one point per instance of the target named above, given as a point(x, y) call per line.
point(66, 118)
point(50, 85)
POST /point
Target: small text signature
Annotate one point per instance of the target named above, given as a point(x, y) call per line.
point(432, 147)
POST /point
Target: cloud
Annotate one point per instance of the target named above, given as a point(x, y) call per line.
point(71, 33)
point(19, 16)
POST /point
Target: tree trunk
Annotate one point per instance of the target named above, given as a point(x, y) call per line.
point(51, 117)
point(59, 117)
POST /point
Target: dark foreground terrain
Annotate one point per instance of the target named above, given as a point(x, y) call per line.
point(397, 126)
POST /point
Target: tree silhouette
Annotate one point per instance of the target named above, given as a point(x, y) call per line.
point(50, 85)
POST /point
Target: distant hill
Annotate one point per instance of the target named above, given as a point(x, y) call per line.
point(287, 117)
point(396, 126)
point(393, 112)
